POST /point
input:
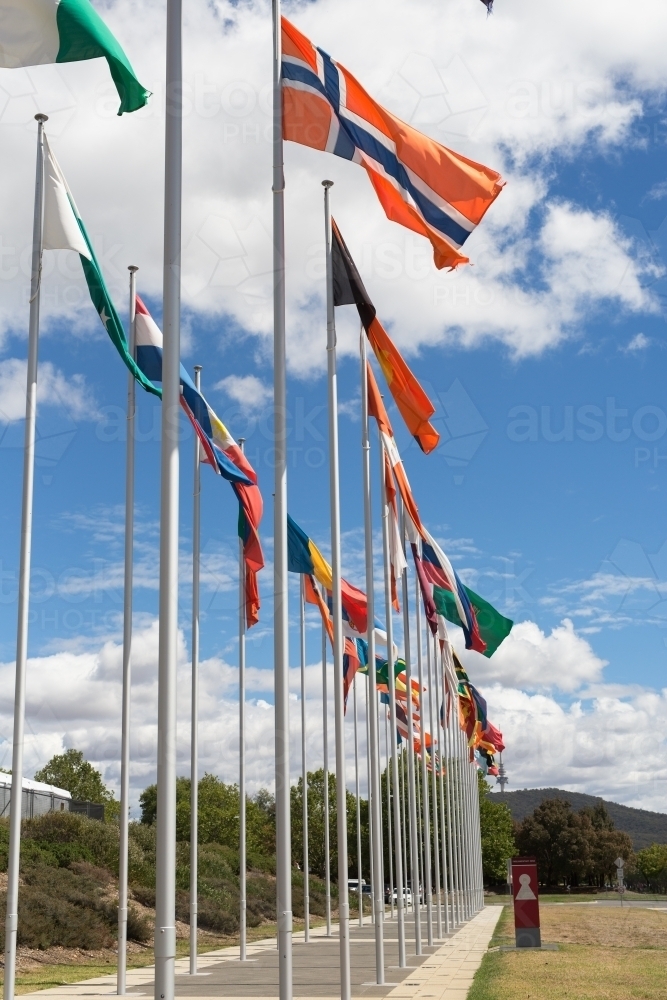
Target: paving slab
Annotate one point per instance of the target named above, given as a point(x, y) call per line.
point(443, 972)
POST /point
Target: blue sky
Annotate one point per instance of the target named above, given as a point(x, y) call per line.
point(548, 489)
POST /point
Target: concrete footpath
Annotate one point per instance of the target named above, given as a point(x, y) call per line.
point(444, 972)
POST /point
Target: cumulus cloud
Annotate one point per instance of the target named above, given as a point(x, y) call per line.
point(605, 745)
point(563, 725)
point(512, 92)
point(535, 661)
point(70, 395)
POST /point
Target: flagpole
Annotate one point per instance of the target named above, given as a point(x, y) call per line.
point(404, 830)
point(449, 789)
point(441, 746)
point(412, 802)
point(121, 969)
point(194, 707)
point(390, 845)
point(304, 767)
point(368, 795)
point(426, 839)
point(356, 785)
point(242, 796)
point(341, 790)
point(374, 801)
point(398, 860)
point(325, 770)
point(165, 861)
point(280, 599)
point(15, 808)
point(434, 788)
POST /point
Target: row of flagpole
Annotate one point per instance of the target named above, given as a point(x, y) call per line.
point(461, 861)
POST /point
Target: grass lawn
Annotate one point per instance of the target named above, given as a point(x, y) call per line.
point(605, 954)
point(46, 976)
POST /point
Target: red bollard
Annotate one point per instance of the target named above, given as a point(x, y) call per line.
point(526, 903)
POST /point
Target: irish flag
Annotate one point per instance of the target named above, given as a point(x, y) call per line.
point(34, 32)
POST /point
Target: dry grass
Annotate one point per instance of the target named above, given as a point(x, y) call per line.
point(605, 954)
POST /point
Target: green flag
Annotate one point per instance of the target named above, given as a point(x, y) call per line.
point(493, 627)
point(64, 230)
point(35, 32)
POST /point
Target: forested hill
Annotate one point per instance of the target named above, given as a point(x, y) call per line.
point(644, 827)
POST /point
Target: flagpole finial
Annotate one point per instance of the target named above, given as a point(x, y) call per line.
point(41, 118)
point(132, 268)
point(327, 184)
point(198, 368)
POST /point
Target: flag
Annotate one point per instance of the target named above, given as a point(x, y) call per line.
point(303, 556)
point(376, 408)
point(35, 32)
point(488, 4)
point(312, 595)
point(493, 627)
point(421, 185)
point(397, 561)
point(219, 450)
point(64, 230)
point(414, 405)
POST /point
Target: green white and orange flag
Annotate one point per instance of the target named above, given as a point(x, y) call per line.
point(36, 32)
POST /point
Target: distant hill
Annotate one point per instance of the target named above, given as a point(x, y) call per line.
point(644, 827)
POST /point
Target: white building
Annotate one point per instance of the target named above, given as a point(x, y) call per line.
point(38, 798)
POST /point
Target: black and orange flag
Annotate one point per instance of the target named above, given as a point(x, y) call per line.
point(414, 405)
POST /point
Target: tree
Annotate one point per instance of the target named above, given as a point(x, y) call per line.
point(72, 772)
point(652, 862)
point(559, 839)
point(316, 825)
point(218, 815)
point(497, 830)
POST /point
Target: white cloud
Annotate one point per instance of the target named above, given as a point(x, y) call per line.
point(71, 395)
point(599, 738)
point(638, 343)
point(535, 80)
point(612, 745)
point(534, 661)
point(247, 390)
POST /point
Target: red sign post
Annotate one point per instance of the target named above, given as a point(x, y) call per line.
point(526, 903)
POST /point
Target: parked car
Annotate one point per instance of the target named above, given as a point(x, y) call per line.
point(407, 896)
point(353, 885)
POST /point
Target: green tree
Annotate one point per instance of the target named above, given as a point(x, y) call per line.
point(652, 862)
point(560, 840)
point(218, 813)
point(497, 830)
point(71, 771)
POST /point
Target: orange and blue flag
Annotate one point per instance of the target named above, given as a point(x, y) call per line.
point(421, 185)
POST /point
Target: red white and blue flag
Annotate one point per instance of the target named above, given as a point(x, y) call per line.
point(421, 184)
point(219, 449)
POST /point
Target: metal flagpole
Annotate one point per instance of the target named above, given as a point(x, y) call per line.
point(337, 610)
point(304, 768)
point(420, 833)
point(390, 848)
point(441, 751)
point(451, 815)
point(121, 968)
point(325, 769)
point(457, 814)
point(15, 808)
point(404, 830)
point(280, 588)
point(434, 787)
point(462, 825)
point(368, 795)
point(412, 801)
point(356, 785)
point(374, 800)
point(165, 861)
point(380, 809)
point(451, 807)
point(394, 780)
point(194, 721)
point(426, 840)
point(242, 795)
